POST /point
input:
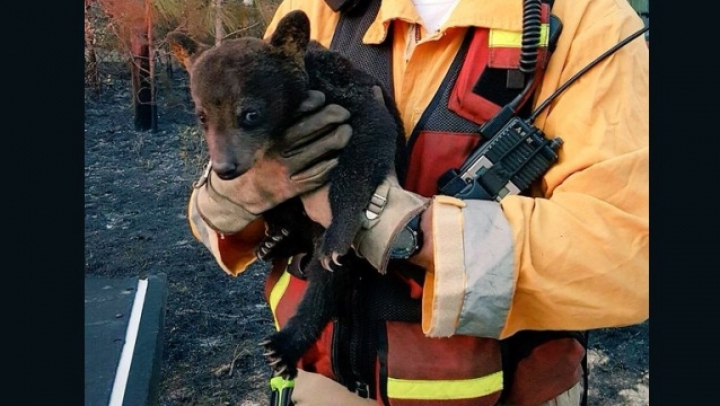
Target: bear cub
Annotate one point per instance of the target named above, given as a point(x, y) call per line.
point(247, 92)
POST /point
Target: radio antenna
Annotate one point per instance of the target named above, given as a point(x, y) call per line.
point(597, 60)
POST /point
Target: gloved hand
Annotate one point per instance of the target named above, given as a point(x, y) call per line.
point(391, 207)
point(313, 389)
point(228, 206)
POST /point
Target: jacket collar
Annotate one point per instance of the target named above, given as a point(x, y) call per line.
point(498, 14)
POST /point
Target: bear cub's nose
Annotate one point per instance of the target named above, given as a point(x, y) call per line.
point(226, 170)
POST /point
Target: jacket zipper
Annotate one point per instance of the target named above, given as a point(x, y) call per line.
point(335, 349)
point(340, 348)
point(348, 343)
point(357, 338)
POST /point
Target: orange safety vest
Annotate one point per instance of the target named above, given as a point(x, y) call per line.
point(377, 347)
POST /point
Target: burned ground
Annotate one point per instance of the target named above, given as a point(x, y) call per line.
point(136, 190)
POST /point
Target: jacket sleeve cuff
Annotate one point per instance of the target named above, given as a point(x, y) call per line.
point(470, 285)
point(218, 211)
point(233, 253)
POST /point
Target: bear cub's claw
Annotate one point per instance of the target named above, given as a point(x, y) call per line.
point(278, 358)
point(328, 260)
point(271, 244)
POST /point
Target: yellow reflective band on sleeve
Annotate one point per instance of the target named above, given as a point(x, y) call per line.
point(276, 293)
point(445, 389)
point(513, 39)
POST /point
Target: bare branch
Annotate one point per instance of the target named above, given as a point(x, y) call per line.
point(241, 30)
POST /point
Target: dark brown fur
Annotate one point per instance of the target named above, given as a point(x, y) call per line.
point(248, 75)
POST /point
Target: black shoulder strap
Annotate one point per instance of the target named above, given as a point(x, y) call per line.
point(437, 116)
point(343, 5)
point(373, 59)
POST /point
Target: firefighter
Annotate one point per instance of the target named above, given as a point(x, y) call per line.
point(504, 291)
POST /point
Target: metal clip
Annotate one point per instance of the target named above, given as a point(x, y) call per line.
point(362, 390)
point(204, 177)
point(375, 207)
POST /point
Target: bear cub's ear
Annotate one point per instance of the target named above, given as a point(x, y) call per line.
point(292, 35)
point(185, 49)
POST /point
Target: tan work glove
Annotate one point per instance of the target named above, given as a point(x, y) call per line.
point(390, 208)
point(229, 206)
point(313, 389)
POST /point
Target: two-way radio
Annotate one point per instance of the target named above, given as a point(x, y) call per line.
point(516, 152)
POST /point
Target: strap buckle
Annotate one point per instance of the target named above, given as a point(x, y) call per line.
point(376, 205)
point(204, 177)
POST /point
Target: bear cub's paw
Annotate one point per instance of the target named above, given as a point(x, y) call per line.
point(280, 355)
point(336, 242)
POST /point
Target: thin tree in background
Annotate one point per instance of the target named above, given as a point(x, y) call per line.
point(151, 67)
point(132, 22)
point(142, 71)
point(219, 31)
point(91, 63)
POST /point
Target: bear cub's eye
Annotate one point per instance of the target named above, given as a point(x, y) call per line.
point(202, 118)
point(249, 118)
